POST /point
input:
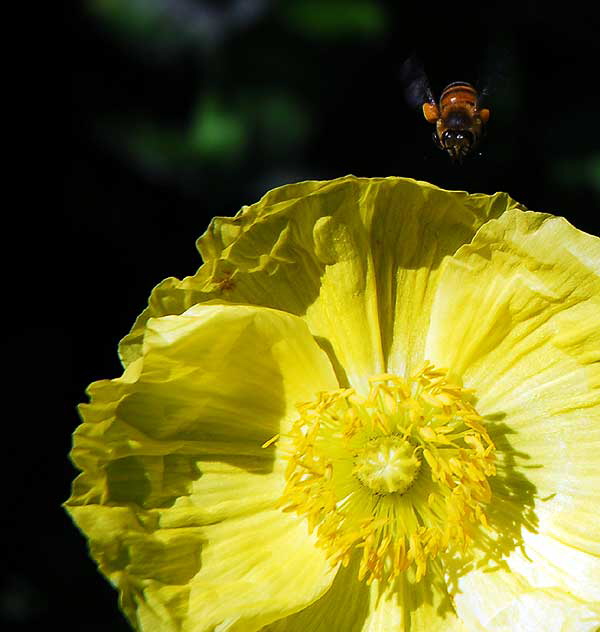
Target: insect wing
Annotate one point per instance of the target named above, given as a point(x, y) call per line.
point(417, 90)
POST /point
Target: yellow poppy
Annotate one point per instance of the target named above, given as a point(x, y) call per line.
point(375, 407)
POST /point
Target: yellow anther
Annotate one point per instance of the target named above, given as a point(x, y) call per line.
point(366, 470)
point(271, 441)
point(428, 433)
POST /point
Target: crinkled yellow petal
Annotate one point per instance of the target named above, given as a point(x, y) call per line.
point(356, 258)
point(504, 601)
point(345, 606)
point(176, 494)
point(354, 606)
point(255, 570)
point(517, 318)
point(544, 568)
point(544, 561)
point(410, 261)
point(425, 606)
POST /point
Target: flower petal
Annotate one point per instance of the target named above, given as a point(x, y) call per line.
point(545, 561)
point(357, 258)
point(345, 606)
point(504, 601)
point(432, 226)
point(424, 606)
point(256, 569)
point(517, 316)
point(175, 485)
point(352, 606)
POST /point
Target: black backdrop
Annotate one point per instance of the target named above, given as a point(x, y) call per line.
point(184, 110)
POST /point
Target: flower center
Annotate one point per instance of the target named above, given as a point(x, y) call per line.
point(398, 476)
point(388, 464)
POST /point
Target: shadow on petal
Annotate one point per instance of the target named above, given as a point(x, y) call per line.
point(512, 509)
point(345, 606)
point(339, 370)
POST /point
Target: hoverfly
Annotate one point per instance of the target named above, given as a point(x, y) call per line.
point(458, 117)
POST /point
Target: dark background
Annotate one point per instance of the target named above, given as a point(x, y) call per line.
point(181, 110)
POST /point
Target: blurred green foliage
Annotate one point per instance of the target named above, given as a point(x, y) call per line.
point(578, 172)
point(336, 19)
point(178, 23)
point(138, 21)
point(217, 133)
point(219, 128)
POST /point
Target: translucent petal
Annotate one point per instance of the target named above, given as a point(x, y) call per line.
point(352, 606)
point(256, 569)
point(176, 492)
point(503, 601)
point(517, 317)
point(345, 606)
point(425, 606)
point(357, 258)
point(544, 561)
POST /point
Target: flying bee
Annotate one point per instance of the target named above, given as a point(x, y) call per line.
point(459, 121)
point(458, 118)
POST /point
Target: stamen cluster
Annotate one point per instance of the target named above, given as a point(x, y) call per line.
point(401, 474)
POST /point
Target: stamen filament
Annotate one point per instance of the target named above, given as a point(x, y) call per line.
point(400, 474)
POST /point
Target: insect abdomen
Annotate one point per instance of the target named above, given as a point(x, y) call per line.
point(458, 93)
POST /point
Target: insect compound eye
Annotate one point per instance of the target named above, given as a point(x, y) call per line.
point(457, 138)
point(457, 143)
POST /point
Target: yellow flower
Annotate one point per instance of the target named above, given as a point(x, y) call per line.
point(375, 407)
